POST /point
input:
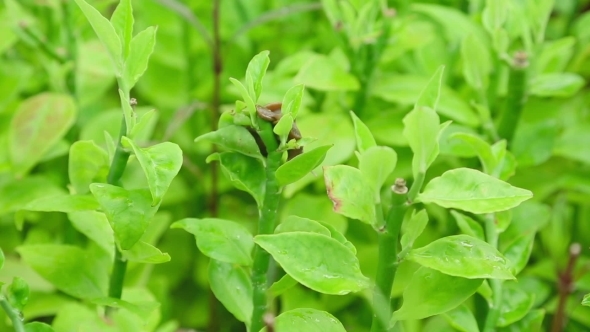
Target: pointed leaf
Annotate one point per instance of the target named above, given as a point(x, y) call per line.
point(298, 167)
point(160, 163)
point(69, 268)
point(292, 100)
point(477, 63)
point(351, 194)
point(232, 287)
point(122, 21)
point(233, 138)
point(422, 130)
point(462, 256)
point(516, 303)
point(250, 103)
point(96, 227)
point(519, 251)
point(424, 296)
point(141, 48)
point(2, 258)
point(255, 73)
point(244, 172)
point(364, 137)
point(316, 261)
point(87, 163)
point(462, 319)
point(307, 319)
point(105, 32)
point(143, 252)
point(468, 226)
point(220, 239)
point(482, 149)
point(586, 300)
point(37, 125)
point(430, 94)
point(377, 163)
point(472, 191)
point(129, 211)
point(412, 228)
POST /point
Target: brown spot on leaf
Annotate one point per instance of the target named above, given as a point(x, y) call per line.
point(329, 188)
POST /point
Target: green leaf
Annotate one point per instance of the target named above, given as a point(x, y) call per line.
point(422, 130)
point(96, 227)
point(462, 319)
point(298, 224)
point(220, 239)
point(129, 211)
point(37, 125)
point(233, 138)
point(2, 258)
point(160, 163)
point(364, 137)
point(424, 296)
point(255, 73)
point(468, 226)
point(482, 149)
point(38, 327)
point(141, 48)
point(338, 236)
point(284, 284)
point(245, 173)
point(533, 321)
point(376, 164)
point(19, 192)
point(556, 85)
point(232, 287)
point(316, 261)
point(477, 63)
point(586, 300)
point(495, 14)
point(63, 203)
point(296, 168)
point(472, 191)
point(105, 32)
point(143, 309)
point(516, 303)
point(18, 293)
point(462, 256)
point(283, 127)
point(518, 252)
point(69, 268)
point(412, 228)
point(250, 103)
point(292, 101)
point(322, 73)
point(143, 252)
point(87, 163)
point(122, 22)
point(307, 319)
point(430, 94)
point(351, 194)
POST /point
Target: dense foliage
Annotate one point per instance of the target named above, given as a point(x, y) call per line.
point(428, 168)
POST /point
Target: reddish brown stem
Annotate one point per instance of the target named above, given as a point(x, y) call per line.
point(565, 285)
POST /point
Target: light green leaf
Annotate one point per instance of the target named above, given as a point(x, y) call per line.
point(519, 251)
point(250, 103)
point(292, 100)
point(376, 164)
point(307, 319)
point(37, 125)
point(143, 309)
point(364, 137)
point(63, 203)
point(122, 22)
point(141, 48)
point(351, 194)
point(495, 14)
point(431, 93)
point(424, 296)
point(2, 258)
point(233, 138)
point(38, 327)
point(472, 191)
point(143, 252)
point(129, 211)
point(96, 227)
point(220, 239)
point(412, 228)
point(17, 293)
point(482, 149)
point(145, 126)
point(244, 172)
point(422, 131)
point(468, 226)
point(462, 256)
point(322, 73)
point(232, 287)
point(316, 261)
point(516, 303)
point(279, 287)
point(17, 193)
point(556, 85)
point(586, 300)
point(298, 167)
point(462, 319)
point(283, 127)
point(105, 32)
point(255, 73)
point(69, 268)
point(160, 163)
point(298, 224)
point(477, 63)
point(87, 163)
point(338, 236)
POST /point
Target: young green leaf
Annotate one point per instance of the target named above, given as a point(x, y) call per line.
point(351, 194)
point(472, 191)
point(279, 287)
point(38, 327)
point(424, 296)
point(519, 251)
point(316, 261)
point(96, 227)
point(516, 303)
point(220, 239)
point(482, 149)
point(586, 300)
point(292, 100)
point(105, 32)
point(412, 228)
point(37, 125)
point(129, 211)
point(477, 63)
point(556, 85)
point(462, 319)
point(298, 224)
point(232, 287)
point(320, 72)
point(250, 103)
point(462, 256)
point(17, 293)
point(307, 319)
point(283, 127)
point(255, 73)
point(141, 48)
point(364, 137)
point(376, 164)
point(160, 163)
point(19, 192)
point(431, 93)
point(296, 168)
point(63, 203)
point(69, 268)
point(145, 253)
point(143, 309)
point(244, 172)
point(87, 163)
point(122, 21)
point(233, 138)
point(468, 226)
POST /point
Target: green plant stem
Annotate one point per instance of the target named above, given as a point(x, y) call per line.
point(387, 264)
point(41, 45)
point(515, 99)
point(496, 284)
point(416, 186)
point(12, 314)
point(266, 225)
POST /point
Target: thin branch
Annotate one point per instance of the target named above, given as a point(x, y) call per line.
point(187, 14)
point(565, 286)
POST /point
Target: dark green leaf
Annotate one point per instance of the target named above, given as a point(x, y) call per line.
point(232, 287)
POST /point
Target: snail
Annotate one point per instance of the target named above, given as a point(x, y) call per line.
point(272, 113)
